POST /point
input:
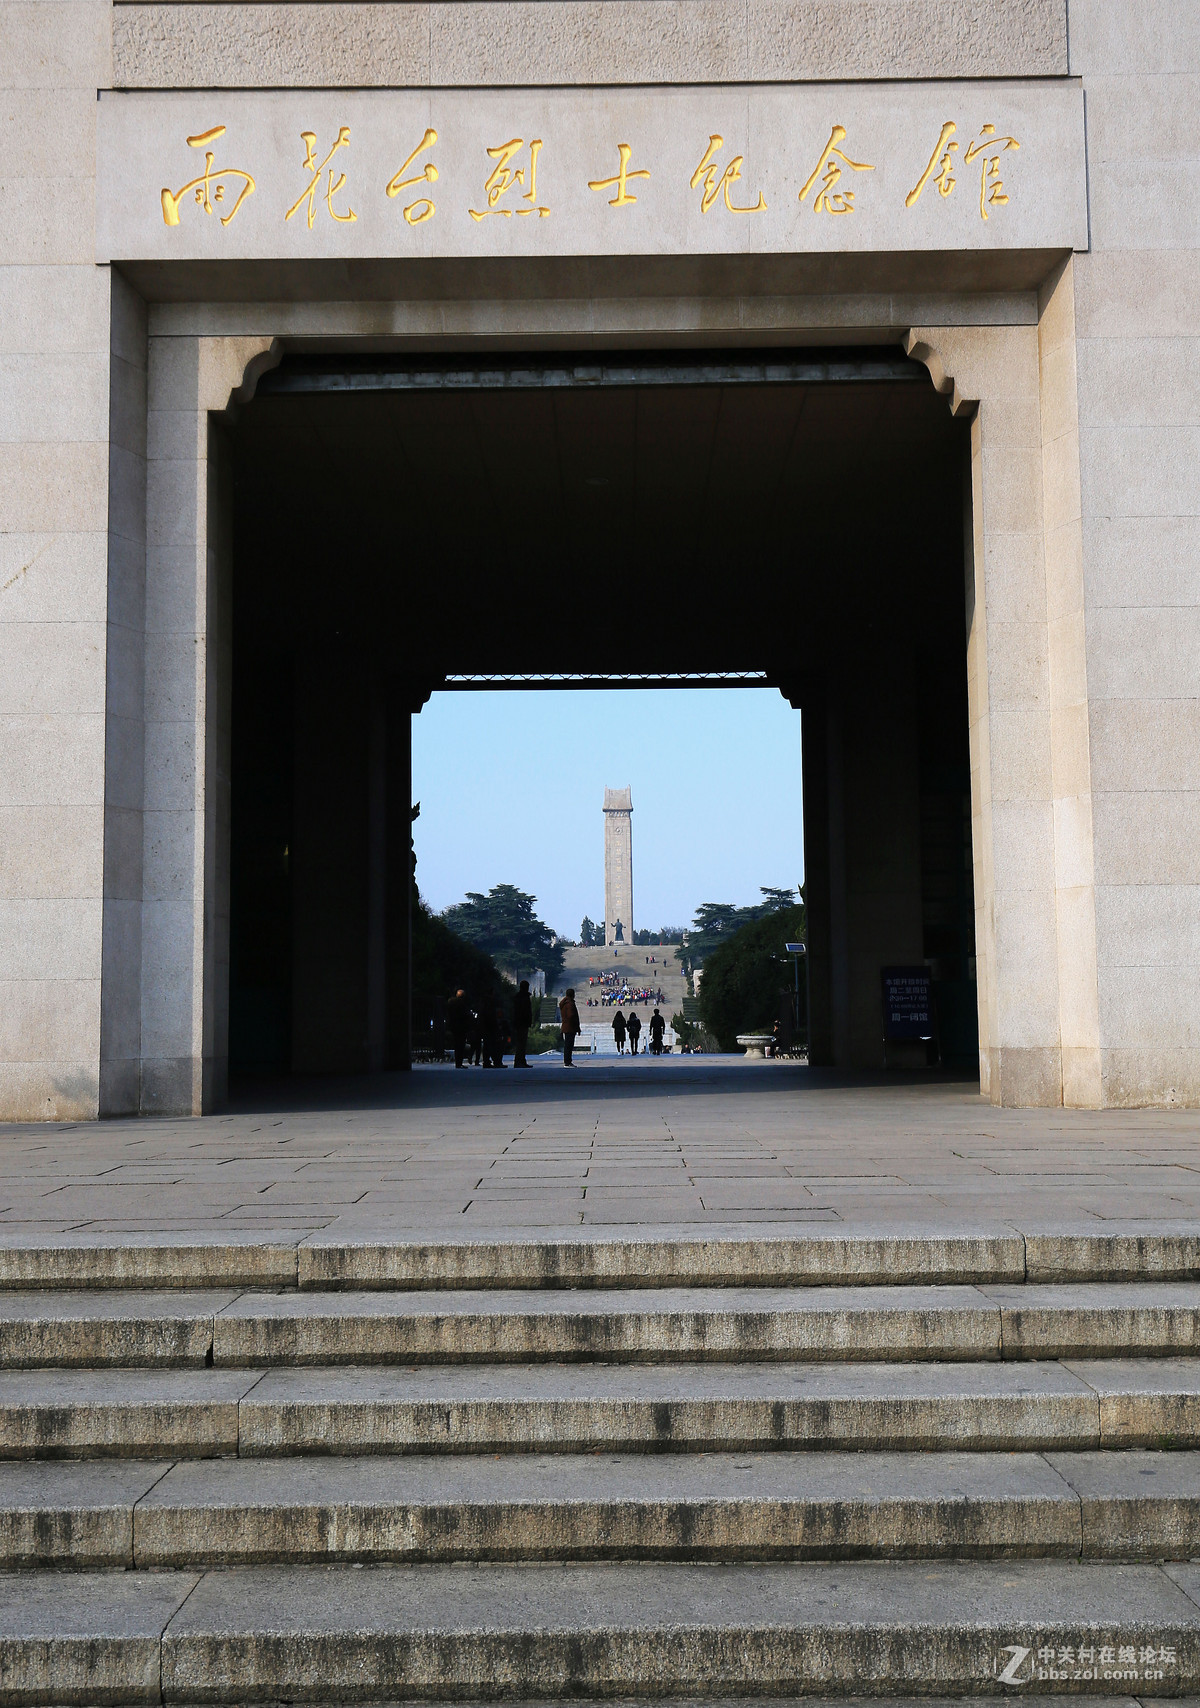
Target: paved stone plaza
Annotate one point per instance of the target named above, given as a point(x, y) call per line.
point(691, 1140)
point(684, 1378)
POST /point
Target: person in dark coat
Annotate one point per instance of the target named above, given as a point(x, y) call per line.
point(619, 1031)
point(522, 1021)
point(634, 1027)
point(458, 1017)
point(568, 1016)
point(491, 1027)
point(657, 1027)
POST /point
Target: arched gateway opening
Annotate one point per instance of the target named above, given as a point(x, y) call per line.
point(402, 525)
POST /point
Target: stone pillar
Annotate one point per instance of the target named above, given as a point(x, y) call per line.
point(879, 790)
point(124, 731)
point(351, 863)
point(1066, 655)
point(812, 702)
point(1121, 362)
point(399, 709)
point(185, 906)
point(377, 875)
point(218, 707)
point(618, 866)
point(334, 892)
point(57, 345)
point(992, 376)
point(862, 843)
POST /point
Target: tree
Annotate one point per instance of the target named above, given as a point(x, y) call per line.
point(777, 898)
point(748, 979)
point(442, 962)
point(587, 933)
point(504, 925)
point(716, 921)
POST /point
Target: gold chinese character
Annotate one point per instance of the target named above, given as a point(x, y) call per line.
point(500, 180)
point(416, 213)
point(829, 199)
point(209, 187)
point(706, 173)
point(987, 151)
point(309, 140)
point(940, 168)
point(622, 199)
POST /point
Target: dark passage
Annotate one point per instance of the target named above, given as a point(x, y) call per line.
point(397, 524)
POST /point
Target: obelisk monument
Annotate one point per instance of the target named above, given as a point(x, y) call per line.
point(618, 867)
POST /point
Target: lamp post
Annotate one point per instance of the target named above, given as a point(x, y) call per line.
point(798, 952)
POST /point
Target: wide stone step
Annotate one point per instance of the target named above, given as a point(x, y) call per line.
point(40, 1329)
point(547, 1407)
point(719, 1323)
point(389, 1633)
point(713, 1506)
point(716, 1254)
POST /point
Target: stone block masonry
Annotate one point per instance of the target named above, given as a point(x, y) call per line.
point(618, 867)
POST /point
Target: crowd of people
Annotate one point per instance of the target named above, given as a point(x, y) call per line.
point(480, 1030)
point(613, 991)
point(628, 1031)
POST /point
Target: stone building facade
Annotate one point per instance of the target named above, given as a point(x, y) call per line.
point(198, 194)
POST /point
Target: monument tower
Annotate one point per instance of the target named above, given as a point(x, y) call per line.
point(618, 866)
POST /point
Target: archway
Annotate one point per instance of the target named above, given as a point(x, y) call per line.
point(794, 517)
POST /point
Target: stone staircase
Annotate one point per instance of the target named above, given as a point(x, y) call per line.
point(743, 1463)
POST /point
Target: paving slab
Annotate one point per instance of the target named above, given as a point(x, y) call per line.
point(388, 1632)
point(40, 1329)
point(58, 1414)
point(502, 1408)
point(1136, 1505)
point(621, 1506)
point(63, 1512)
point(85, 1637)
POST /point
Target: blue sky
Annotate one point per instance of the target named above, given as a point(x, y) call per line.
point(511, 786)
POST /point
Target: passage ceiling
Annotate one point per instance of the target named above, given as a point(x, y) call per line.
point(597, 526)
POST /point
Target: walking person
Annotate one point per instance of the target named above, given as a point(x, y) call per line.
point(619, 1031)
point(568, 1016)
point(458, 1016)
point(657, 1027)
point(634, 1028)
point(522, 1021)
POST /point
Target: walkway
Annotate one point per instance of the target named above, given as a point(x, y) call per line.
point(696, 1140)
